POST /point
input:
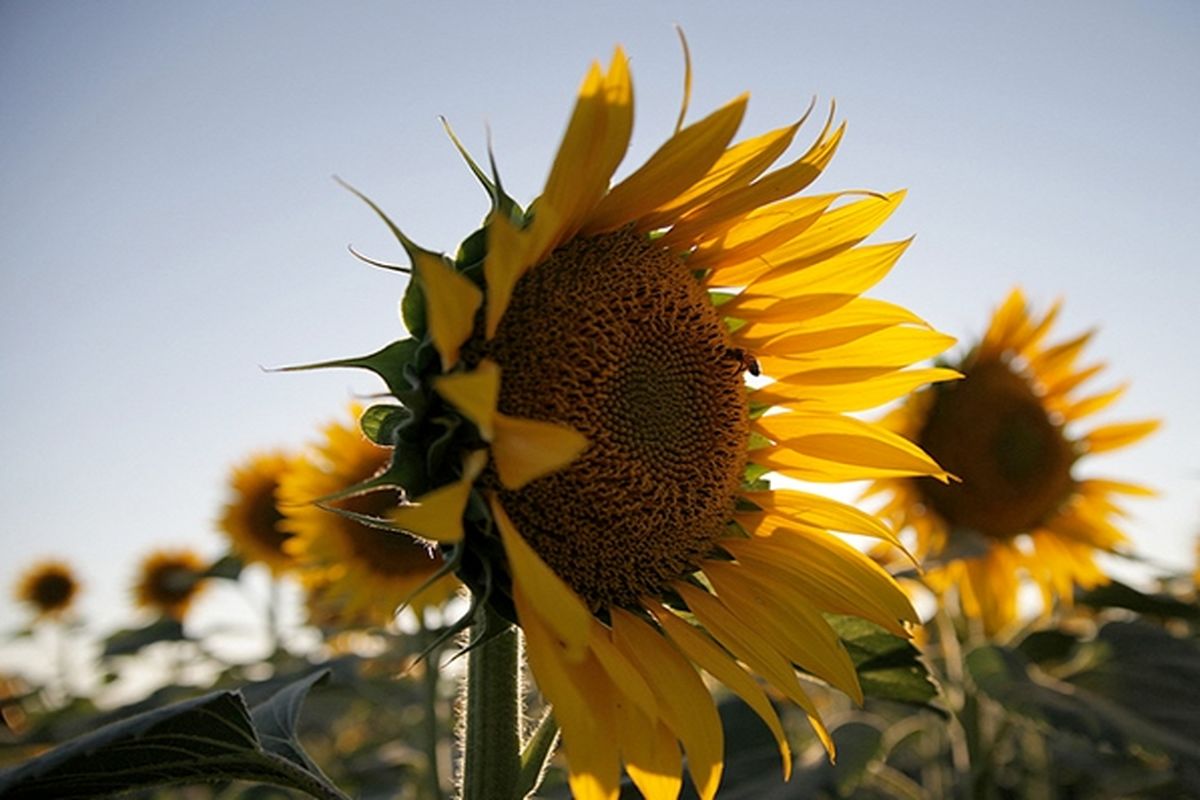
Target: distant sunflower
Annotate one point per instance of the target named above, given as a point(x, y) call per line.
point(252, 517)
point(357, 573)
point(168, 581)
point(49, 587)
point(1008, 430)
point(606, 491)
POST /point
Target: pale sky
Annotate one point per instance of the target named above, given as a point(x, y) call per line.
point(169, 222)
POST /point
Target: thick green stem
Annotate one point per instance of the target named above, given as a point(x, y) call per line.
point(491, 736)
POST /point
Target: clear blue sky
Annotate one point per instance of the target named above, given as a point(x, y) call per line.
point(169, 223)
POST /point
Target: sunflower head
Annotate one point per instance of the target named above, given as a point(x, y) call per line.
point(572, 425)
point(1009, 431)
point(49, 588)
point(169, 580)
point(353, 572)
point(252, 519)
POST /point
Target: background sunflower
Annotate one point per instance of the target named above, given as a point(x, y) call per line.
point(355, 572)
point(252, 519)
point(48, 587)
point(168, 581)
point(1010, 430)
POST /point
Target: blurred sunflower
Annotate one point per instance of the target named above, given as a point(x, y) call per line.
point(353, 572)
point(606, 493)
point(251, 519)
point(49, 587)
point(168, 581)
point(1008, 430)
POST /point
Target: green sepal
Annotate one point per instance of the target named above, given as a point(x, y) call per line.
point(388, 363)
point(412, 309)
point(382, 423)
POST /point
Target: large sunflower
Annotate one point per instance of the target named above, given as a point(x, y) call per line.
point(1009, 431)
point(591, 455)
point(168, 581)
point(251, 519)
point(355, 573)
point(49, 587)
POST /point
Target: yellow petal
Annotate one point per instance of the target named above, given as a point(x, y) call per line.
point(596, 139)
point(580, 694)
point(757, 652)
point(712, 659)
point(737, 166)
point(451, 300)
point(845, 440)
point(474, 394)
point(1093, 403)
point(651, 754)
point(897, 346)
point(773, 186)
point(1114, 437)
point(752, 235)
point(527, 449)
point(778, 611)
point(621, 671)
point(505, 263)
point(437, 515)
point(836, 232)
point(840, 580)
point(679, 163)
point(563, 612)
point(686, 705)
point(820, 512)
point(856, 396)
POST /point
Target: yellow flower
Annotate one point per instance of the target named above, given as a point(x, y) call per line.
point(353, 572)
point(49, 587)
point(1008, 430)
point(252, 518)
point(606, 492)
point(169, 580)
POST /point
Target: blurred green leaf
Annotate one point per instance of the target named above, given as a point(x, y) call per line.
point(1117, 595)
point(889, 667)
point(228, 567)
point(207, 739)
point(129, 641)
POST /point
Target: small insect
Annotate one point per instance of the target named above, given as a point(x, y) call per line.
point(745, 360)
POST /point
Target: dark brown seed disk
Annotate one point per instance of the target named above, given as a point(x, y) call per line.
point(992, 430)
point(614, 337)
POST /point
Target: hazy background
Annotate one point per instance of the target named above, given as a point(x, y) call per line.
point(169, 225)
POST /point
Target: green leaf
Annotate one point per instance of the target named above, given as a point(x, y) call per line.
point(889, 667)
point(227, 567)
point(412, 309)
point(206, 739)
point(1118, 595)
point(130, 641)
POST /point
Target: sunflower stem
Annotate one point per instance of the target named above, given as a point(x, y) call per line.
point(492, 723)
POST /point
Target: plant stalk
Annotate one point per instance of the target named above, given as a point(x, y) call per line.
point(492, 721)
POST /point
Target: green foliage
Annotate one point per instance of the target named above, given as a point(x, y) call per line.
point(207, 739)
point(889, 667)
point(130, 641)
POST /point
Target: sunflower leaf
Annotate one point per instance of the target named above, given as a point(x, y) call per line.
point(212, 738)
point(1118, 595)
point(388, 363)
point(382, 423)
point(889, 667)
point(228, 567)
point(131, 640)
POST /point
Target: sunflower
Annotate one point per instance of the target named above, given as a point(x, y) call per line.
point(1009, 431)
point(49, 587)
point(169, 580)
point(578, 432)
point(353, 572)
point(252, 518)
